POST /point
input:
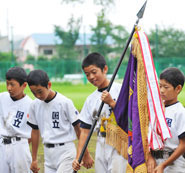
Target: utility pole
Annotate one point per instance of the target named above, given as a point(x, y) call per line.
point(85, 50)
point(12, 48)
point(7, 24)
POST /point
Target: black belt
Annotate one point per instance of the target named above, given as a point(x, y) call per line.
point(53, 145)
point(159, 154)
point(8, 140)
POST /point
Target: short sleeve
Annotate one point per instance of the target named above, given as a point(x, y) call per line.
point(31, 117)
point(71, 112)
point(180, 122)
point(85, 115)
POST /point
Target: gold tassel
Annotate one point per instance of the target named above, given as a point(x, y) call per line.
point(117, 138)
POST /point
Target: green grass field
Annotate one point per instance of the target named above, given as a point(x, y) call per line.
point(77, 93)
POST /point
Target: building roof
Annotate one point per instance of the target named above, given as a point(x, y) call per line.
point(46, 39)
point(52, 39)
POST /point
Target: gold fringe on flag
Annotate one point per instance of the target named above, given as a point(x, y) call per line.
point(142, 95)
point(118, 138)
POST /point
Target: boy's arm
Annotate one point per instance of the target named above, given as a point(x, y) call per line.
point(106, 98)
point(178, 152)
point(87, 159)
point(35, 137)
point(77, 130)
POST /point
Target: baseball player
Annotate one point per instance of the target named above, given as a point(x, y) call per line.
point(107, 159)
point(56, 118)
point(15, 155)
point(171, 159)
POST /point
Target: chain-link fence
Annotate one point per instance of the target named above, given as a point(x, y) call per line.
point(58, 69)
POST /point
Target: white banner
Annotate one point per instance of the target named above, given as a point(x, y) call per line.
point(158, 128)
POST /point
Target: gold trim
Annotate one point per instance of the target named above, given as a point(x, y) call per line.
point(142, 96)
point(129, 169)
point(141, 168)
point(117, 138)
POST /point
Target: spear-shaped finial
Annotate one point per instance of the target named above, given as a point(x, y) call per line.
point(141, 11)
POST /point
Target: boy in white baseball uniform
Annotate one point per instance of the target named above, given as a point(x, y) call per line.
point(171, 159)
point(54, 117)
point(14, 131)
point(107, 159)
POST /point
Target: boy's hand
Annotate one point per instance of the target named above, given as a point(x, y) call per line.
point(159, 169)
point(106, 98)
point(88, 161)
point(76, 166)
point(151, 164)
point(34, 166)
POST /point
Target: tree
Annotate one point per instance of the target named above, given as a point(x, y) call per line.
point(101, 39)
point(30, 58)
point(119, 35)
point(4, 56)
point(104, 3)
point(66, 49)
point(169, 41)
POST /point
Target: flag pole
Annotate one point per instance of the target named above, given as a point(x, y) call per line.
point(139, 15)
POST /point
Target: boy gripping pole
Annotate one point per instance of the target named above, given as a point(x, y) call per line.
point(107, 159)
point(139, 15)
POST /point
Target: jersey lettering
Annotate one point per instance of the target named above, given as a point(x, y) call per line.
point(169, 121)
point(18, 118)
point(55, 117)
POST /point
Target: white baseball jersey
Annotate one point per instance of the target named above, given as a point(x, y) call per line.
point(175, 118)
point(13, 116)
point(107, 158)
point(54, 119)
point(93, 102)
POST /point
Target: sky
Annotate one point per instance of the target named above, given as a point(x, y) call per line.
point(25, 17)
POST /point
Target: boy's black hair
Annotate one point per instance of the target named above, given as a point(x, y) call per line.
point(94, 59)
point(38, 77)
point(173, 76)
point(18, 74)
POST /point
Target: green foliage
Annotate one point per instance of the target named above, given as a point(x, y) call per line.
point(42, 58)
point(167, 42)
point(120, 36)
point(108, 38)
point(30, 58)
point(67, 49)
point(103, 3)
point(4, 56)
point(101, 35)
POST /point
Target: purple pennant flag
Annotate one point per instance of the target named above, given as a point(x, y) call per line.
point(127, 114)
